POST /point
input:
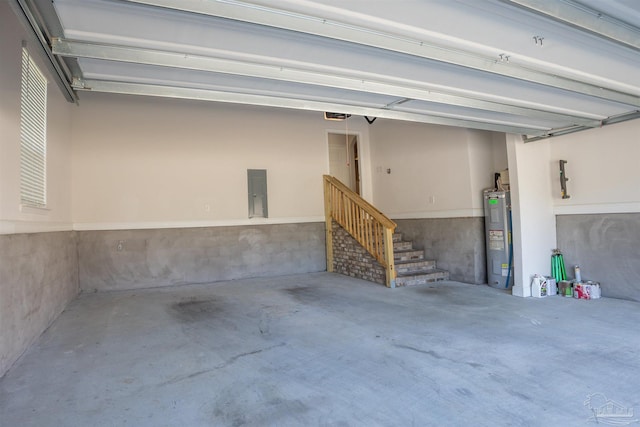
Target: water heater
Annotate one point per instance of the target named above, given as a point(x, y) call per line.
point(497, 224)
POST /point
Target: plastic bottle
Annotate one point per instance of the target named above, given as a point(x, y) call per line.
point(577, 274)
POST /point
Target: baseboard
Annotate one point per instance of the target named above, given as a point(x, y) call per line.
point(18, 227)
point(603, 208)
point(454, 213)
point(145, 225)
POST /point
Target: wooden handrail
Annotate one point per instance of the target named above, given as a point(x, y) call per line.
point(370, 227)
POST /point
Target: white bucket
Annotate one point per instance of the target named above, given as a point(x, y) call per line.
point(552, 286)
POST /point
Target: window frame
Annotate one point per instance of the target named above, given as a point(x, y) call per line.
point(33, 133)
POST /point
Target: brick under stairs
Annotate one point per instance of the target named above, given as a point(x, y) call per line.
point(411, 267)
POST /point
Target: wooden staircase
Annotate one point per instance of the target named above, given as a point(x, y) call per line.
point(411, 267)
point(375, 233)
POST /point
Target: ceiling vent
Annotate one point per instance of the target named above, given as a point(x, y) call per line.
point(336, 116)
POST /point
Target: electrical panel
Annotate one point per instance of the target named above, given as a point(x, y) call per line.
point(257, 183)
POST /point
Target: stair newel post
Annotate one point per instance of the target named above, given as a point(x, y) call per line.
point(328, 223)
point(388, 255)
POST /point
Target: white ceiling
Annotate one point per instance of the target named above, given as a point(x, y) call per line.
point(534, 67)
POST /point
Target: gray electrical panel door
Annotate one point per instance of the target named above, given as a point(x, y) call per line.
point(497, 205)
point(257, 179)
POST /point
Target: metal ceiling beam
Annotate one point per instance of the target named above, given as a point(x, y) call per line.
point(632, 115)
point(29, 16)
point(324, 27)
point(580, 16)
point(294, 103)
point(323, 76)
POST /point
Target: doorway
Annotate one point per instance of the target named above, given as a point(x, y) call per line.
point(344, 159)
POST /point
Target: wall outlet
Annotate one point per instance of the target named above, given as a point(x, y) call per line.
point(432, 200)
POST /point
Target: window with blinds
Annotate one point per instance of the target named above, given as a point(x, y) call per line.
point(33, 134)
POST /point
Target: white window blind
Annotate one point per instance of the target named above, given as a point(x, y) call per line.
point(33, 133)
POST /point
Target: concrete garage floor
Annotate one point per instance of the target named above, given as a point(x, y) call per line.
point(326, 350)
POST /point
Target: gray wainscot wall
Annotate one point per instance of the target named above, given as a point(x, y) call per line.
point(130, 259)
point(607, 249)
point(38, 278)
point(456, 244)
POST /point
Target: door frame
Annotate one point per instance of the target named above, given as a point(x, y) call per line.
point(355, 165)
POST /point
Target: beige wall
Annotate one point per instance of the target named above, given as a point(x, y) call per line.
point(436, 171)
point(58, 214)
point(141, 162)
point(481, 166)
point(146, 162)
point(603, 170)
